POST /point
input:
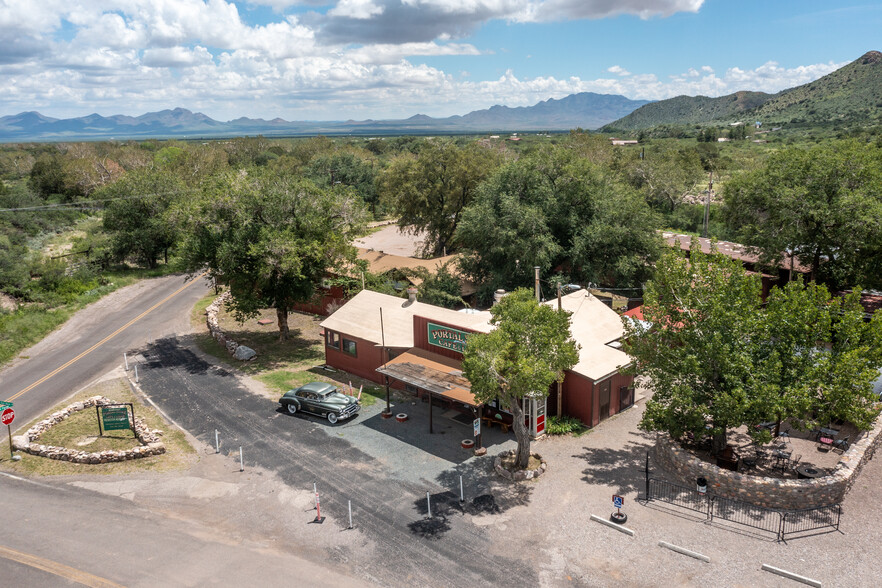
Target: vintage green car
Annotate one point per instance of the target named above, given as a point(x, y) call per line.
point(322, 399)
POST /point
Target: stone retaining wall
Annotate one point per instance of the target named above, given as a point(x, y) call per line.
point(149, 439)
point(776, 493)
point(214, 326)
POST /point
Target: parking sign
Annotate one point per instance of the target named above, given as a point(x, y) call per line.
point(618, 501)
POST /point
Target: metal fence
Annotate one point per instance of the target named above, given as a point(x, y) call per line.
point(781, 523)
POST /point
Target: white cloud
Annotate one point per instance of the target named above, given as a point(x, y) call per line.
point(618, 70)
point(359, 9)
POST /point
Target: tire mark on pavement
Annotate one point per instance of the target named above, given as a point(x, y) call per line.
point(202, 398)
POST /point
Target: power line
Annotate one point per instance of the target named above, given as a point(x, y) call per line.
point(82, 204)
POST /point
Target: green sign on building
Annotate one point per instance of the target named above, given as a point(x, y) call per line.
point(115, 417)
point(447, 337)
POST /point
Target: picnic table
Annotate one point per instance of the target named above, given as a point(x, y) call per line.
point(822, 432)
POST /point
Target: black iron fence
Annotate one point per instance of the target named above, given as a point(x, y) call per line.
point(781, 523)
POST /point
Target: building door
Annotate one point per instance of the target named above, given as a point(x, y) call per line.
point(626, 397)
point(604, 399)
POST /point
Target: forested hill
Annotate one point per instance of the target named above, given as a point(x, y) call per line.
point(689, 110)
point(848, 95)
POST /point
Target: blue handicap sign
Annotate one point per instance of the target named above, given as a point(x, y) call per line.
point(618, 501)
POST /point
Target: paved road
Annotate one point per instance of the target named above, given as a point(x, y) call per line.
point(94, 340)
point(407, 548)
point(66, 536)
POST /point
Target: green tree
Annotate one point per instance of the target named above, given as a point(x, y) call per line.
point(529, 349)
point(716, 357)
point(271, 238)
point(137, 217)
point(429, 191)
point(346, 169)
point(824, 204)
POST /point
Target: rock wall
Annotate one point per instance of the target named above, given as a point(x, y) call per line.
point(221, 337)
point(777, 493)
point(149, 439)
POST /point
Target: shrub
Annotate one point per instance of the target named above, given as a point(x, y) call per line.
point(558, 425)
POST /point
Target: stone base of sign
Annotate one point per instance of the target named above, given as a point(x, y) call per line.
point(481, 451)
point(149, 439)
point(519, 475)
point(786, 494)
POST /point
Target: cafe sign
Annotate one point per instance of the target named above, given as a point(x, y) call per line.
point(447, 337)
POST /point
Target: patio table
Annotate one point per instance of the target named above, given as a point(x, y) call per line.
point(828, 432)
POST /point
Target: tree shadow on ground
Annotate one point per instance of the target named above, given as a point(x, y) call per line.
point(623, 468)
point(483, 493)
point(172, 352)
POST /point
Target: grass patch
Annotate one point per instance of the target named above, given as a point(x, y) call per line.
point(565, 426)
point(82, 426)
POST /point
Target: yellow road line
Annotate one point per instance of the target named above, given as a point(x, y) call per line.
point(59, 569)
point(107, 338)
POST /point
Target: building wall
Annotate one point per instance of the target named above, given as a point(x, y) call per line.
point(367, 359)
point(581, 397)
point(421, 337)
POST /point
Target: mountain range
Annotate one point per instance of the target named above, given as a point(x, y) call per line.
point(850, 95)
point(587, 110)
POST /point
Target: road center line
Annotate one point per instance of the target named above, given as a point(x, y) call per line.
point(107, 338)
point(59, 569)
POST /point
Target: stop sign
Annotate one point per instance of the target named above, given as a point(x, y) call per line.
point(7, 416)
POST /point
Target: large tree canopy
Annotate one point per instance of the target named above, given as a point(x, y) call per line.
point(271, 238)
point(716, 356)
point(824, 204)
point(559, 212)
point(530, 349)
point(429, 191)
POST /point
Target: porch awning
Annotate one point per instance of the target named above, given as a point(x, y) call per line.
point(432, 372)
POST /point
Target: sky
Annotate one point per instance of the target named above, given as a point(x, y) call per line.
point(386, 59)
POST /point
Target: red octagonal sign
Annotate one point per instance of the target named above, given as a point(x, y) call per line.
point(7, 416)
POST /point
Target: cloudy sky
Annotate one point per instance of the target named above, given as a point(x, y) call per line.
point(359, 59)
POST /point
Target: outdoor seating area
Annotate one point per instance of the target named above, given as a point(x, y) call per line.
point(793, 454)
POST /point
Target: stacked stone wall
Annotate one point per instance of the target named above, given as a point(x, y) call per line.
point(215, 330)
point(789, 494)
point(29, 442)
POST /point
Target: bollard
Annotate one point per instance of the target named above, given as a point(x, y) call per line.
point(315, 493)
point(136, 374)
point(126, 359)
point(216, 441)
point(428, 504)
point(461, 494)
point(241, 461)
point(318, 511)
point(350, 514)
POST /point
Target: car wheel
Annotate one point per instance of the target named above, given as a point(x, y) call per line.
point(332, 417)
point(292, 408)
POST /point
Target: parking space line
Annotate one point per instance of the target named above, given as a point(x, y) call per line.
point(684, 551)
point(791, 575)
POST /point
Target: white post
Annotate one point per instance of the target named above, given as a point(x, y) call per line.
point(126, 359)
point(428, 504)
point(136, 374)
point(241, 461)
point(216, 441)
point(461, 495)
point(350, 514)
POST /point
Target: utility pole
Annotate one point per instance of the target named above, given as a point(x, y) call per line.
point(710, 187)
point(536, 270)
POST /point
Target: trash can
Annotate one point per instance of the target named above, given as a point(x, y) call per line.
point(701, 485)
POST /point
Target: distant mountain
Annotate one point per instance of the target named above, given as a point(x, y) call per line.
point(851, 94)
point(689, 110)
point(586, 110)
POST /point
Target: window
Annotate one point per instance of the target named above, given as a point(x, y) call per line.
point(349, 347)
point(333, 339)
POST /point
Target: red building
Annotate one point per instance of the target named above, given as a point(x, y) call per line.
point(419, 347)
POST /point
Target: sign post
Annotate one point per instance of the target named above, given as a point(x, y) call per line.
point(477, 426)
point(618, 517)
point(6, 417)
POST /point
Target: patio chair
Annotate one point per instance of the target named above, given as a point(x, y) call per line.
point(794, 462)
point(784, 436)
point(841, 444)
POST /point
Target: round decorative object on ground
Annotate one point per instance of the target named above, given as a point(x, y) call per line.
point(619, 518)
point(401, 417)
point(386, 415)
point(467, 444)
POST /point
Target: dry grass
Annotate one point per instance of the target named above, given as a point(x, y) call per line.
point(80, 430)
